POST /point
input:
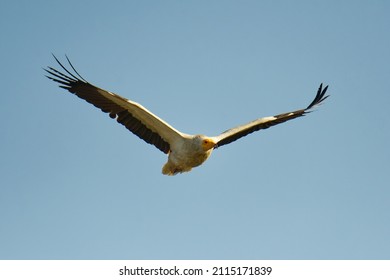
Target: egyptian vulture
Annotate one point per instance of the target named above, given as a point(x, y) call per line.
point(184, 151)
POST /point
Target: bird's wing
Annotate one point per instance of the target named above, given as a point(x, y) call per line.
point(132, 115)
point(263, 123)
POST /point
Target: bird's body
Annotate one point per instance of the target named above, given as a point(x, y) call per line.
point(184, 151)
point(190, 151)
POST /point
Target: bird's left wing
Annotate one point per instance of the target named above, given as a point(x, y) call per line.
point(264, 123)
point(132, 115)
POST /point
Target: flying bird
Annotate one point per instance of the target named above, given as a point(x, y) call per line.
point(185, 151)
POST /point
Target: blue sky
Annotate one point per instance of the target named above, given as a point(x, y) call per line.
point(76, 185)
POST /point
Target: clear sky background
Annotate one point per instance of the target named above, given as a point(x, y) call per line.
point(77, 185)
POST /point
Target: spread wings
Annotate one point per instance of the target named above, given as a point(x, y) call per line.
point(132, 115)
point(264, 123)
point(150, 127)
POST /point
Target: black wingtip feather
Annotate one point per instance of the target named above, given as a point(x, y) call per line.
point(63, 67)
point(69, 78)
point(320, 97)
point(59, 75)
point(66, 81)
point(71, 65)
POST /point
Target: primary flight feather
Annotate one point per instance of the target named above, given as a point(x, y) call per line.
point(184, 151)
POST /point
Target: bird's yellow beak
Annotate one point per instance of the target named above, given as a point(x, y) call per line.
point(208, 144)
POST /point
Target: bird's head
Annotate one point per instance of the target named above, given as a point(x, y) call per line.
point(204, 143)
point(208, 143)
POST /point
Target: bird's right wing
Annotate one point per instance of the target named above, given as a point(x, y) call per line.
point(132, 115)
